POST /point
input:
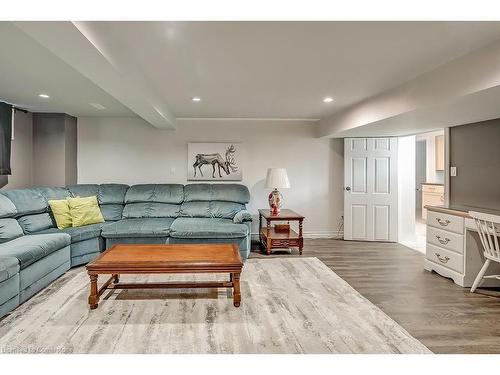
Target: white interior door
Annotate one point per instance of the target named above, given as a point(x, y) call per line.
point(370, 189)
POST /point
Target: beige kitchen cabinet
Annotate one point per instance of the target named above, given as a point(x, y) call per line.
point(432, 195)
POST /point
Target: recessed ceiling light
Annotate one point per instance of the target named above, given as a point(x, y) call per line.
point(196, 99)
point(98, 106)
point(328, 99)
point(45, 96)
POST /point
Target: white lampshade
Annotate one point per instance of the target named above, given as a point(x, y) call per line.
point(277, 178)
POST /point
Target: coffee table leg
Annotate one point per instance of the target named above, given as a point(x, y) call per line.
point(116, 278)
point(236, 292)
point(94, 296)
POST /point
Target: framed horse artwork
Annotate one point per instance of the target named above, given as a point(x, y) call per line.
point(214, 162)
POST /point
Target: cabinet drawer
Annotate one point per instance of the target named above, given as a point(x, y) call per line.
point(447, 222)
point(433, 188)
point(445, 258)
point(445, 239)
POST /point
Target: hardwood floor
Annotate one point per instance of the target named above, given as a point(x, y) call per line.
point(443, 316)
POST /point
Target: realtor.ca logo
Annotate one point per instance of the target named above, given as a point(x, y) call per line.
point(34, 350)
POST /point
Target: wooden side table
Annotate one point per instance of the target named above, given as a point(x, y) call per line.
point(271, 239)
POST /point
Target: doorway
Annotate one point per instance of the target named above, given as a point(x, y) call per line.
point(429, 155)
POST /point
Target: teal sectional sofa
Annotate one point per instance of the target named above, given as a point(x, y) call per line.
point(34, 252)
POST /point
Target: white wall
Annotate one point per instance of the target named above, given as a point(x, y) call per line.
point(21, 152)
point(128, 150)
point(406, 189)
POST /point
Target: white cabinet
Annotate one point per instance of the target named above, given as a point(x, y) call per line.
point(453, 247)
point(432, 195)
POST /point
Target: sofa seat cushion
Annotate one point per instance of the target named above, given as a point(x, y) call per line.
point(9, 266)
point(78, 234)
point(207, 228)
point(145, 227)
point(29, 249)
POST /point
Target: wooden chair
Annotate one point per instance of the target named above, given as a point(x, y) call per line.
point(488, 227)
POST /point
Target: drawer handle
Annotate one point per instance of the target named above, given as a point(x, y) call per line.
point(443, 223)
point(441, 241)
point(441, 259)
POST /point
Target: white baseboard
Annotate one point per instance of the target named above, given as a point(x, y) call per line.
point(317, 234)
point(324, 234)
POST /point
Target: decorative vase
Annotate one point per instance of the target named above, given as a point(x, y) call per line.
point(275, 201)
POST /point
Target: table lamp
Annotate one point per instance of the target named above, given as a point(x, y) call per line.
point(276, 178)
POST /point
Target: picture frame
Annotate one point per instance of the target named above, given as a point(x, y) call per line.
point(214, 161)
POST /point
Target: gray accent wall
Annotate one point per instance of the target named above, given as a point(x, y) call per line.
point(70, 150)
point(22, 152)
point(54, 149)
point(475, 151)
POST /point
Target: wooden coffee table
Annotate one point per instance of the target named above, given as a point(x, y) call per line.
point(148, 259)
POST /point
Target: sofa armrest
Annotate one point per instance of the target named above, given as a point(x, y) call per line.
point(242, 216)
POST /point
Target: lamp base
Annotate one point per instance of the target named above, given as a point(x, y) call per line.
point(275, 201)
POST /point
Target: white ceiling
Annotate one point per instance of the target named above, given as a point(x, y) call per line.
point(239, 69)
point(282, 69)
point(28, 69)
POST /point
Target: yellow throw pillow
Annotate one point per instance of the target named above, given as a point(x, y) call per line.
point(85, 211)
point(60, 210)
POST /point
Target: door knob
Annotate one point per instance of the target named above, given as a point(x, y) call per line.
point(348, 188)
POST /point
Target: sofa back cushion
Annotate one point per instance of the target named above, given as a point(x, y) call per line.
point(150, 210)
point(50, 193)
point(111, 199)
point(214, 200)
point(217, 209)
point(216, 192)
point(84, 190)
point(112, 212)
point(159, 193)
point(32, 206)
point(9, 230)
point(35, 223)
point(27, 201)
point(7, 208)
point(112, 193)
point(153, 200)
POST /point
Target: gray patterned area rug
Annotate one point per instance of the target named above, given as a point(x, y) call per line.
point(289, 305)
